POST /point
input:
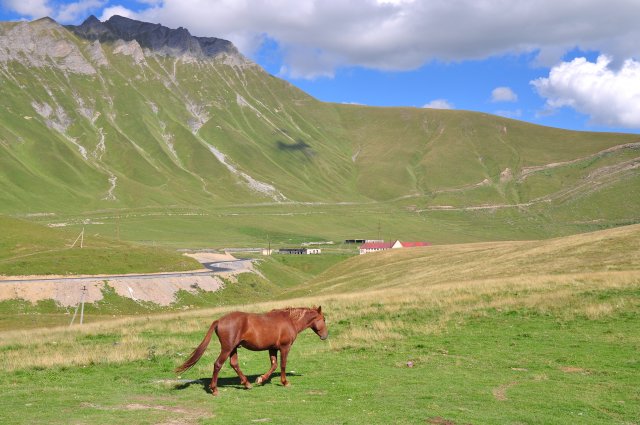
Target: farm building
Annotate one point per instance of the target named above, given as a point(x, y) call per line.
point(361, 241)
point(299, 251)
point(382, 246)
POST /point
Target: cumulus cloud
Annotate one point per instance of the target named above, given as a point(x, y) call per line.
point(117, 10)
point(309, 64)
point(30, 8)
point(62, 11)
point(503, 94)
point(77, 10)
point(439, 104)
point(607, 95)
point(317, 36)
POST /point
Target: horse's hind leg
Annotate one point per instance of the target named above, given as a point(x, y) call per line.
point(216, 370)
point(233, 360)
point(273, 355)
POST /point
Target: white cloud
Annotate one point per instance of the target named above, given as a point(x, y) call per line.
point(31, 8)
point(318, 36)
point(61, 11)
point(439, 104)
point(609, 96)
point(309, 64)
point(503, 94)
point(117, 10)
point(78, 10)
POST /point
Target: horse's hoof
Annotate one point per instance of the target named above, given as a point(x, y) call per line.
point(248, 386)
point(215, 393)
point(259, 380)
point(286, 384)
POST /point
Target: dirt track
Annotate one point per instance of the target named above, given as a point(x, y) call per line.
point(159, 289)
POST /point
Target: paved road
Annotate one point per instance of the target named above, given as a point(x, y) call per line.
point(214, 267)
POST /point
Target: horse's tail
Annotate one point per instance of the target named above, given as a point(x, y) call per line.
point(199, 351)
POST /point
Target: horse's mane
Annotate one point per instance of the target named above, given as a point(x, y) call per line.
point(296, 313)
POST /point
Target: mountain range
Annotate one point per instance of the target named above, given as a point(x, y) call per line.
point(123, 114)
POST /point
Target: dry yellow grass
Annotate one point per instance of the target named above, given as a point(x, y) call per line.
point(611, 250)
point(450, 282)
point(558, 295)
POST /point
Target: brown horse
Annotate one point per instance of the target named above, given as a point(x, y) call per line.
point(273, 331)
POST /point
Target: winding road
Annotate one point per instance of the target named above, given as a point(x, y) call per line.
point(213, 268)
point(159, 288)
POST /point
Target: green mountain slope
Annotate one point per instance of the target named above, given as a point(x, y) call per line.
point(89, 126)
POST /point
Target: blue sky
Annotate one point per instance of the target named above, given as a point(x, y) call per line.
point(572, 64)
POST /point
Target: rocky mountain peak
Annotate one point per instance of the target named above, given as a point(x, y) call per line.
point(155, 37)
point(91, 20)
point(42, 43)
point(91, 29)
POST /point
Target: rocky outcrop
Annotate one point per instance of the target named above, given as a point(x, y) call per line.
point(45, 43)
point(129, 48)
point(157, 38)
point(39, 44)
point(97, 54)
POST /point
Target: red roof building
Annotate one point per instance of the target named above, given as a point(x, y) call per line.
point(414, 244)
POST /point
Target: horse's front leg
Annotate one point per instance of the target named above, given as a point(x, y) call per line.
point(273, 355)
point(233, 360)
point(284, 352)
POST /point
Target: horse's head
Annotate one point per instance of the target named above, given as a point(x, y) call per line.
point(318, 325)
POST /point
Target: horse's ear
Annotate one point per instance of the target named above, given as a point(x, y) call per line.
point(319, 309)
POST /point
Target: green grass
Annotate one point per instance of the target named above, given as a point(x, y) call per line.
point(294, 270)
point(488, 366)
point(30, 249)
point(99, 260)
point(518, 341)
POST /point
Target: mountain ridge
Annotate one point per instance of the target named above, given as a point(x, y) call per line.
point(156, 37)
point(90, 125)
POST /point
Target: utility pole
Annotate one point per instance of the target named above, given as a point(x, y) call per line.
point(80, 237)
point(84, 291)
point(74, 314)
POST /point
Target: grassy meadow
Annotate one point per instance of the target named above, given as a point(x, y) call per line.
point(544, 332)
point(27, 248)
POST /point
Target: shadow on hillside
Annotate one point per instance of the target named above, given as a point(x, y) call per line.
point(298, 146)
point(229, 382)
